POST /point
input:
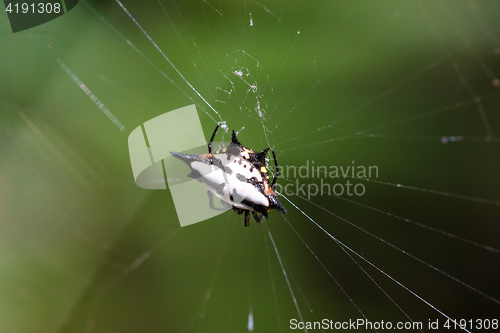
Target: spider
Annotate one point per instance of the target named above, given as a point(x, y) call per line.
point(238, 176)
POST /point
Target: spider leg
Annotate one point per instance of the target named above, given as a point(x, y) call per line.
point(212, 139)
point(238, 211)
point(247, 218)
point(256, 216)
point(277, 173)
point(211, 201)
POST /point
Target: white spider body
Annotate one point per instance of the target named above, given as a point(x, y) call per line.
point(237, 176)
point(233, 183)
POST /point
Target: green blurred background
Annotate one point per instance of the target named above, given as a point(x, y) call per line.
point(385, 83)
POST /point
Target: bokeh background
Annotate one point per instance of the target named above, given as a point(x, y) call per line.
point(411, 87)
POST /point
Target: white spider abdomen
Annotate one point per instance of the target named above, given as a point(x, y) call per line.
point(232, 183)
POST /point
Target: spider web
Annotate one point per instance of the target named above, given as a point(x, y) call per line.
point(409, 87)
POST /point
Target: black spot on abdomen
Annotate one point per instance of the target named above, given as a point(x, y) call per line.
point(241, 178)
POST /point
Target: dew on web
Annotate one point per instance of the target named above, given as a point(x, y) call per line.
point(409, 87)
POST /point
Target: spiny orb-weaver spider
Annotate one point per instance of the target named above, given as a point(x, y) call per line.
point(243, 183)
